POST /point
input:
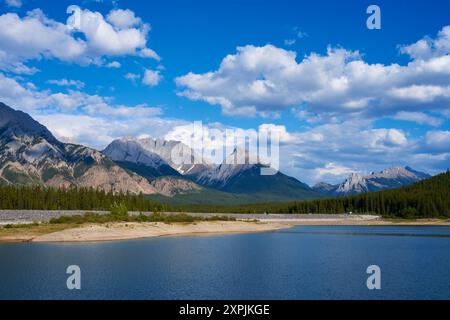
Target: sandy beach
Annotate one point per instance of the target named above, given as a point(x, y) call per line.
point(123, 231)
point(46, 232)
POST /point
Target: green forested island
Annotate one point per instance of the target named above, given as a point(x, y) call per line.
point(424, 199)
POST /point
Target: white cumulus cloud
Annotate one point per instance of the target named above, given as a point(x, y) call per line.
point(438, 141)
point(68, 83)
point(152, 77)
point(123, 18)
point(418, 117)
point(260, 80)
point(35, 36)
point(14, 3)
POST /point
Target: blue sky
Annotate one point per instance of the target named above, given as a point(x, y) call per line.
point(345, 97)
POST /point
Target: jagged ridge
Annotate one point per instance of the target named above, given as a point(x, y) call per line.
point(30, 154)
point(390, 178)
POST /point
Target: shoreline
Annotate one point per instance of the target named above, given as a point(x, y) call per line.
point(114, 231)
point(141, 230)
point(365, 222)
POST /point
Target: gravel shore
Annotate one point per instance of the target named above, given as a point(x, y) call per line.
point(29, 216)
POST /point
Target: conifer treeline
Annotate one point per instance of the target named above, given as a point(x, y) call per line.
point(427, 198)
point(43, 198)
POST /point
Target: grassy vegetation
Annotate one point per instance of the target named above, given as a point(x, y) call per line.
point(119, 213)
point(21, 225)
point(119, 209)
point(25, 232)
point(154, 217)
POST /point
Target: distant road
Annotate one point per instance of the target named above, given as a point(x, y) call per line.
point(29, 216)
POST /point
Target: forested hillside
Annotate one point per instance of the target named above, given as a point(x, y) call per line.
point(426, 198)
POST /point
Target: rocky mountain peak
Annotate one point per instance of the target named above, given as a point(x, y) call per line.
point(30, 154)
point(15, 124)
point(389, 178)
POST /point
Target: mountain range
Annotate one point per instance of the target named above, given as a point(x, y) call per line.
point(387, 179)
point(30, 154)
point(148, 156)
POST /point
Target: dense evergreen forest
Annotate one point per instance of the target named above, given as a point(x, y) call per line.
point(42, 198)
point(427, 198)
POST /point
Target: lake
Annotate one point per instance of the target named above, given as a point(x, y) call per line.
point(303, 262)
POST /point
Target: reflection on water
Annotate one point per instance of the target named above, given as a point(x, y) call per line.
point(311, 262)
point(384, 234)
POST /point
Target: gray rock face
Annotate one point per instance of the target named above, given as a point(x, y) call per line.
point(157, 154)
point(30, 154)
point(390, 178)
point(154, 160)
point(231, 176)
point(132, 155)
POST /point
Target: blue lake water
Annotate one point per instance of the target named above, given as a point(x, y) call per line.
point(303, 262)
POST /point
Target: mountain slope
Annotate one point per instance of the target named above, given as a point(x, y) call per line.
point(132, 155)
point(139, 157)
point(30, 154)
point(247, 179)
point(391, 178)
point(428, 198)
point(148, 156)
point(425, 198)
point(176, 154)
point(231, 176)
point(207, 196)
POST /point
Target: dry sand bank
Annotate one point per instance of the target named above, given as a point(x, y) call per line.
point(135, 230)
point(122, 231)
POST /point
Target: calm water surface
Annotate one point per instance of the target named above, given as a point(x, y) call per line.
point(297, 263)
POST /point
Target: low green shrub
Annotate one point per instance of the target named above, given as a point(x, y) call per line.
point(119, 216)
point(119, 209)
